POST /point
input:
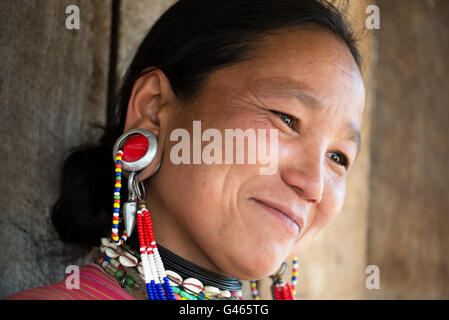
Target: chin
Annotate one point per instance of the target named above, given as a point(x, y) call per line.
point(251, 264)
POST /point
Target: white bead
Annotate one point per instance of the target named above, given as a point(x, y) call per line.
point(153, 268)
point(111, 253)
point(128, 260)
point(159, 264)
point(211, 291)
point(225, 294)
point(171, 275)
point(146, 268)
point(193, 285)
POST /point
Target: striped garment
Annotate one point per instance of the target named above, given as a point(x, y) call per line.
point(94, 284)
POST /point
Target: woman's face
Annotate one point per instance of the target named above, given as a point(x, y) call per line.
point(231, 218)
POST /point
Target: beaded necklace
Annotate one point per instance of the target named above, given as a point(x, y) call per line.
point(125, 265)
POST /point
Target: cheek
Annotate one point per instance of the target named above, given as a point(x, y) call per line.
point(195, 192)
point(332, 201)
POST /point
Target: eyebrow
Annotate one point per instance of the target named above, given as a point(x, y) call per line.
point(286, 88)
point(353, 134)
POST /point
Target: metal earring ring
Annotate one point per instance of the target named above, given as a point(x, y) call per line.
point(149, 156)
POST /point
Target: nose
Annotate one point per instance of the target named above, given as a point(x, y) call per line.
point(306, 177)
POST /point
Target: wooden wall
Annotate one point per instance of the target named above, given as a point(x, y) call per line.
point(409, 176)
point(53, 89)
point(55, 84)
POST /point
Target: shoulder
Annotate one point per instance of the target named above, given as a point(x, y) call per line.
point(91, 283)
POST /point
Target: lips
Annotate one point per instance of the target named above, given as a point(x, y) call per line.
point(284, 210)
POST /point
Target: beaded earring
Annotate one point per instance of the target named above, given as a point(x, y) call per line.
point(134, 151)
point(281, 290)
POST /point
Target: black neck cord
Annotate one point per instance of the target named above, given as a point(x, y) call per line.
point(187, 269)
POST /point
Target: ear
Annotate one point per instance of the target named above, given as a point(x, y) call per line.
point(150, 93)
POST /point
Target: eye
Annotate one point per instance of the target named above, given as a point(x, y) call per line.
point(338, 158)
point(289, 120)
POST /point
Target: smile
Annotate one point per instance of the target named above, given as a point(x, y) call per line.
point(284, 215)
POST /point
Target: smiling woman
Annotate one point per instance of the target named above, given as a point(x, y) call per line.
point(285, 65)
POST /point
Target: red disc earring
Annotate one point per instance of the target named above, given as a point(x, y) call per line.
point(139, 149)
point(133, 151)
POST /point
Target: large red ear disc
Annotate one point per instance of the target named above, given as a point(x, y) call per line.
point(139, 148)
point(135, 147)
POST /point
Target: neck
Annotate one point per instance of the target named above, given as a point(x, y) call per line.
point(180, 254)
point(172, 235)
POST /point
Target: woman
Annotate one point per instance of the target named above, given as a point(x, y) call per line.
point(288, 67)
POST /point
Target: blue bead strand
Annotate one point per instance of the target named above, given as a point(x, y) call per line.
point(154, 290)
point(150, 292)
point(168, 289)
point(160, 292)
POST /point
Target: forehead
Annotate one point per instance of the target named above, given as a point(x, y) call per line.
point(310, 67)
point(318, 60)
point(307, 61)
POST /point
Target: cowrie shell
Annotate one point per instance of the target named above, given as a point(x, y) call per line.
point(105, 241)
point(112, 245)
point(127, 260)
point(225, 294)
point(173, 278)
point(111, 253)
point(211, 291)
point(193, 285)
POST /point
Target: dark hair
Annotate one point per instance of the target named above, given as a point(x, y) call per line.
point(189, 41)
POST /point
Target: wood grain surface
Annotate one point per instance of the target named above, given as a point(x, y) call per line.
point(53, 90)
